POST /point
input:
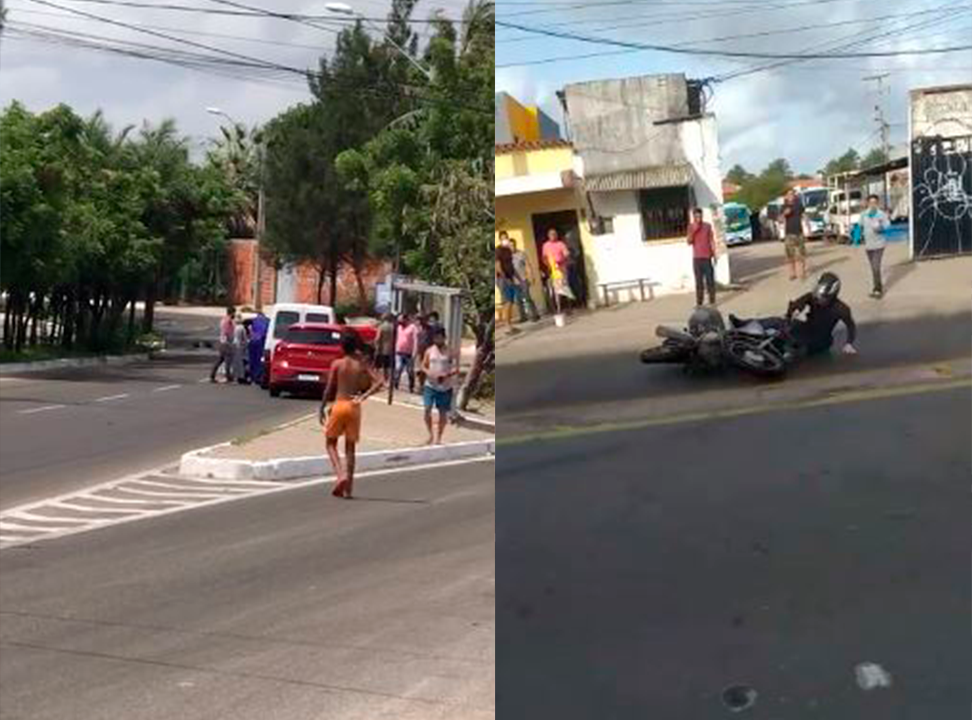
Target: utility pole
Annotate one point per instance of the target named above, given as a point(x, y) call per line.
point(260, 229)
point(883, 126)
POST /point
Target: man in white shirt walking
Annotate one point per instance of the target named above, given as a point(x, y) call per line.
point(874, 224)
point(440, 366)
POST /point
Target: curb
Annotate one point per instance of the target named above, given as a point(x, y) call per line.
point(194, 465)
point(63, 363)
point(475, 423)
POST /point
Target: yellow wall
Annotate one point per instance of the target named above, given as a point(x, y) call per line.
point(534, 162)
point(515, 215)
point(523, 121)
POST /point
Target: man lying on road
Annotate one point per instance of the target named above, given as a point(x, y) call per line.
point(825, 310)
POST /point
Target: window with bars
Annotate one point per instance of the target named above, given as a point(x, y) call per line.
point(664, 212)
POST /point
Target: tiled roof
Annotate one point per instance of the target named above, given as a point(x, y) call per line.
point(531, 145)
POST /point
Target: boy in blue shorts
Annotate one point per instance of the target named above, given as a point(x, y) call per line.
point(440, 367)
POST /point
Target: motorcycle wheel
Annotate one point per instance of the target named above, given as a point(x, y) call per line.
point(662, 354)
point(747, 355)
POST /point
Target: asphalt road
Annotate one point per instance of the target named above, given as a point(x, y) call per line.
point(292, 606)
point(65, 430)
point(618, 375)
point(641, 573)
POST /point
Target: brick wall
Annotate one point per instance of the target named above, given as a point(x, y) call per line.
point(240, 277)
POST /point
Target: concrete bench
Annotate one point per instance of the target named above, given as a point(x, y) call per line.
point(640, 283)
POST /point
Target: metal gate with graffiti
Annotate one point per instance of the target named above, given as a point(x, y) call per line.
point(941, 205)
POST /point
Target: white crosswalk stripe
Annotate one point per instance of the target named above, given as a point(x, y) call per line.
point(139, 496)
point(146, 495)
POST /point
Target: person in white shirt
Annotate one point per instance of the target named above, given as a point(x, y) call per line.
point(440, 367)
point(240, 342)
point(874, 224)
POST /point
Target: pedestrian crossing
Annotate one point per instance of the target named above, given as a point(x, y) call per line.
point(152, 494)
point(124, 500)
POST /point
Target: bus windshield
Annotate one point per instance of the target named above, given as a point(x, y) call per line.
point(814, 198)
point(737, 216)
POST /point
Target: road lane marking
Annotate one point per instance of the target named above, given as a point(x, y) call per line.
point(196, 501)
point(75, 505)
point(164, 494)
point(45, 408)
point(132, 501)
point(109, 398)
point(166, 388)
point(187, 490)
point(567, 432)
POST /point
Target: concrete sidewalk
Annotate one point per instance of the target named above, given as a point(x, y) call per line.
point(392, 436)
point(928, 288)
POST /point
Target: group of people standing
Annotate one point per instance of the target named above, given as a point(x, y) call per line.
point(874, 224)
point(515, 279)
point(401, 350)
point(241, 347)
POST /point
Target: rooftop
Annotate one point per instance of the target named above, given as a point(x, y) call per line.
point(531, 145)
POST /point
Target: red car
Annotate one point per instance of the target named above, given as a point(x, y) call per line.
point(302, 361)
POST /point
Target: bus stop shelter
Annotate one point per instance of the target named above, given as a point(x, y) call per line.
point(413, 296)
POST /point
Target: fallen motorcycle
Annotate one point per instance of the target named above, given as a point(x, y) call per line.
point(756, 347)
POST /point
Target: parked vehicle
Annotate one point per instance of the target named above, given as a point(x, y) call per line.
point(769, 220)
point(282, 316)
point(844, 213)
point(302, 358)
point(706, 345)
point(739, 230)
point(815, 215)
point(815, 205)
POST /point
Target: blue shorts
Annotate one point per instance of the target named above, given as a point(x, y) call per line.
point(441, 400)
point(509, 291)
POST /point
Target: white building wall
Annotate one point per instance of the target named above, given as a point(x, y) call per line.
point(624, 255)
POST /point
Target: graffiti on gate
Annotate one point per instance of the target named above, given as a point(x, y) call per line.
point(943, 195)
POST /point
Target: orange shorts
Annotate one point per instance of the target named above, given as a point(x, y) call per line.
point(344, 419)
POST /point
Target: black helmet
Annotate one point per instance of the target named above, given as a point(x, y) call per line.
point(827, 288)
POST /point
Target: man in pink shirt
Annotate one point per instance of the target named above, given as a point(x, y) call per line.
point(701, 239)
point(556, 257)
point(405, 351)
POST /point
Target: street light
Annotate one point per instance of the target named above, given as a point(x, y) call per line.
point(261, 213)
point(340, 8)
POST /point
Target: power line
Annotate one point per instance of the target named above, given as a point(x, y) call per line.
point(174, 7)
point(200, 33)
point(725, 38)
point(841, 44)
point(723, 53)
point(264, 64)
point(669, 17)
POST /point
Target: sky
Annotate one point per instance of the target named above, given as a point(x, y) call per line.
point(131, 90)
point(807, 112)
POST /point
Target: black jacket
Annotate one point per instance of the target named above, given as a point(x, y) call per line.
point(817, 331)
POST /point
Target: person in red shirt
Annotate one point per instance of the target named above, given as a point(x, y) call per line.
point(702, 240)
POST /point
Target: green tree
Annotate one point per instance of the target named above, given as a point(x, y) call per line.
point(429, 175)
point(875, 157)
point(847, 162)
point(779, 168)
point(738, 175)
point(237, 155)
point(93, 217)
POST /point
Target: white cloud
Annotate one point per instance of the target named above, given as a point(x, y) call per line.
point(130, 90)
point(807, 112)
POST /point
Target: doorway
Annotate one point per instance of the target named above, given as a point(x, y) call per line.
point(566, 224)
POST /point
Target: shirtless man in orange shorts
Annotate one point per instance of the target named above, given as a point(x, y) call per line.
point(350, 383)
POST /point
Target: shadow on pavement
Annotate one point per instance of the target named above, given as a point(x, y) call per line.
point(616, 376)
